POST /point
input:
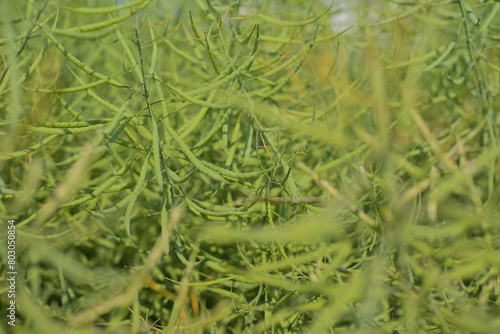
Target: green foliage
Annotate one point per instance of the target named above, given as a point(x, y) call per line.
point(251, 166)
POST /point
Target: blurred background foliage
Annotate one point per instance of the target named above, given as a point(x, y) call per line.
point(251, 166)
